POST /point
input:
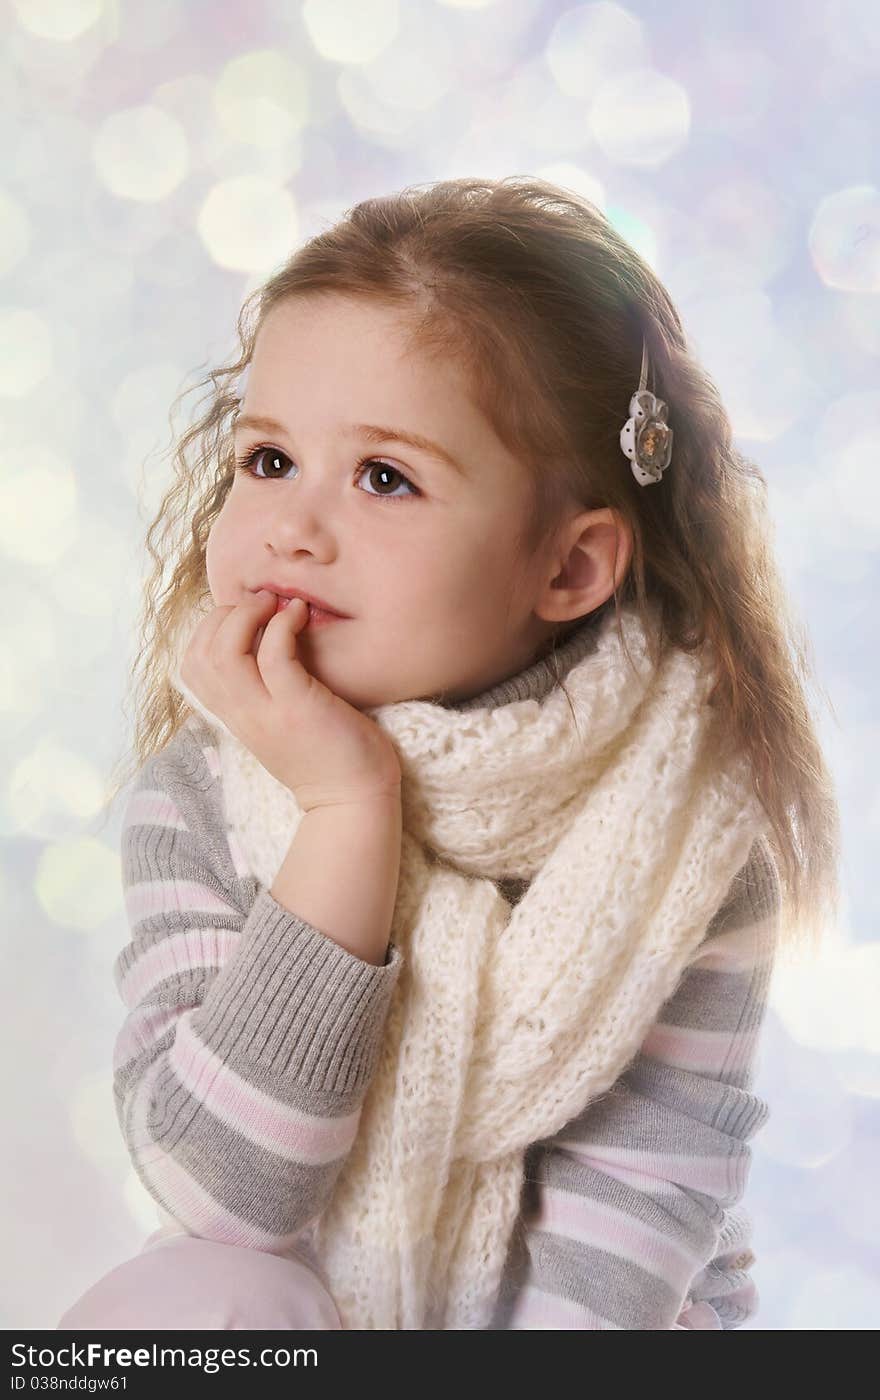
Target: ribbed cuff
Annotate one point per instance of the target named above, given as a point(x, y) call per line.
point(293, 1000)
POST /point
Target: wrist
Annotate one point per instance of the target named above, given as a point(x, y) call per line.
point(379, 797)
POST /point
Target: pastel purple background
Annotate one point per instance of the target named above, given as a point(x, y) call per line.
point(159, 160)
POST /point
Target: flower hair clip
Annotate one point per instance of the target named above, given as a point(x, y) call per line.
point(646, 437)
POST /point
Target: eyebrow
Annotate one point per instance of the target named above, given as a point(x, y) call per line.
point(370, 431)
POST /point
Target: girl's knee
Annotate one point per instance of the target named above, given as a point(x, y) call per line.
point(182, 1282)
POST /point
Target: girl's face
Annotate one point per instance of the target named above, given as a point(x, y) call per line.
point(419, 554)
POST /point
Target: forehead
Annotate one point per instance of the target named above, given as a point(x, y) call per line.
point(358, 339)
point(331, 361)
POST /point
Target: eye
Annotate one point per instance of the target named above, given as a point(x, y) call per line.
point(386, 469)
point(248, 463)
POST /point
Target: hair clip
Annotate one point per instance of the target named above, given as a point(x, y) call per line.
point(646, 437)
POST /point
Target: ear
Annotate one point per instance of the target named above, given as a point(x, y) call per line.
point(593, 555)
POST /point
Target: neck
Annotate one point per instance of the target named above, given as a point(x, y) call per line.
point(538, 678)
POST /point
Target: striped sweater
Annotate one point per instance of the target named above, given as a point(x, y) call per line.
point(251, 1038)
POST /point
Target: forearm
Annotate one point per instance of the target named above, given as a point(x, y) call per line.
point(341, 871)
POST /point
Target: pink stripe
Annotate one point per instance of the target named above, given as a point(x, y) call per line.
point(660, 1173)
point(189, 1203)
point(603, 1226)
point(171, 957)
point(535, 1308)
point(152, 807)
point(141, 1029)
point(212, 758)
point(148, 897)
point(704, 1052)
point(292, 1134)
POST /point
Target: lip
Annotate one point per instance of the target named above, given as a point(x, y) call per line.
point(316, 605)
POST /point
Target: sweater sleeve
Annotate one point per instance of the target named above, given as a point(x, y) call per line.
point(632, 1217)
point(250, 1037)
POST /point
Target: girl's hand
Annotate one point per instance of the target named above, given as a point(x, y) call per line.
point(323, 749)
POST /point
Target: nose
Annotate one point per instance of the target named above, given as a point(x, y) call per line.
point(300, 522)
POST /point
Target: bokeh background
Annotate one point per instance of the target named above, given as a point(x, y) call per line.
point(159, 159)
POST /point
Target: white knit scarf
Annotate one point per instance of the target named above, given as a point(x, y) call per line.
point(631, 819)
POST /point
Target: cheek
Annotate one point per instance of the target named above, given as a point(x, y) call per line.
point(464, 585)
point(220, 549)
point(213, 552)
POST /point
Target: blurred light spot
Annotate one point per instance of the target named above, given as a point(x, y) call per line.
point(132, 407)
point(248, 223)
point(38, 507)
point(78, 882)
point(860, 322)
point(96, 573)
point(768, 393)
point(346, 33)
point(57, 19)
point(84, 297)
point(574, 178)
point(589, 42)
point(262, 98)
point(838, 510)
point(859, 1073)
point(809, 997)
point(851, 483)
point(368, 113)
point(93, 1119)
point(746, 215)
point(15, 232)
point(810, 538)
point(844, 239)
point(71, 412)
point(515, 124)
point(51, 160)
point(731, 81)
point(765, 386)
point(141, 153)
point(468, 4)
point(28, 637)
point(190, 101)
point(641, 119)
point(320, 215)
point(121, 229)
point(635, 231)
point(49, 787)
point(419, 67)
point(25, 351)
point(147, 27)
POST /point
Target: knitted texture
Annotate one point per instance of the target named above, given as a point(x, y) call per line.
point(630, 816)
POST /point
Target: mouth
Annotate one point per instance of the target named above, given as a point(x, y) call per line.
point(317, 616)
point(319, 611)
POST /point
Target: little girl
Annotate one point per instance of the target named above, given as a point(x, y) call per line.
point(476, 789)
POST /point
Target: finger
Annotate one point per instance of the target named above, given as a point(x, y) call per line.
point(237, 632)
point(212, 671)
point(203, 633)
point(230, 650)
point(195, 660)
point(279, 648)
point(296, 607)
